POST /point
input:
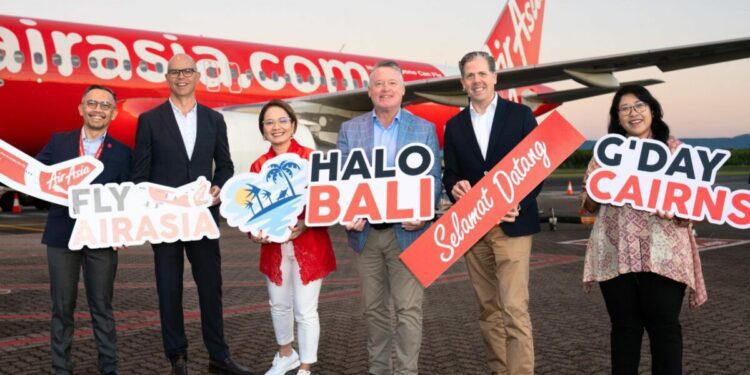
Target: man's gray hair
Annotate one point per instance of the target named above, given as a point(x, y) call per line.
point(388, 64)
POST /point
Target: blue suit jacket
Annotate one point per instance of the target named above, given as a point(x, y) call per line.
point(464, 161)
point(359, 133)
point(160, 156)
point(116, 158)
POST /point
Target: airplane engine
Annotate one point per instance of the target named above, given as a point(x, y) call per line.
point(246, 142)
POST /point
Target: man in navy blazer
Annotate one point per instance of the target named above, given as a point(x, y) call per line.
point(476, 139)
point(385, 278)
point(176, 143)
point(98, 109)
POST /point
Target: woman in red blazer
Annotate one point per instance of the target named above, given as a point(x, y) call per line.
point(295, 269)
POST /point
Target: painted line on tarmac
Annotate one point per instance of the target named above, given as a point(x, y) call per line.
point(21, 227)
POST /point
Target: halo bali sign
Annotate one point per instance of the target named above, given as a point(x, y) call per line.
point(501, 189)
point(269, 201)
point(129, 214)
point(644, 174)
point(342, 191)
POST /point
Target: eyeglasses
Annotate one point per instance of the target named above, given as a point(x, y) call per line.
point(280, 120)
point(187, 72)
point(639, 108)
point(104, 105)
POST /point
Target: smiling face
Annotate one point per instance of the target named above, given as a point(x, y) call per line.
point(386, 89)
point(180, 84)
point(278, 127)
point(97, 110)
point(479, 82)
point(635, 116)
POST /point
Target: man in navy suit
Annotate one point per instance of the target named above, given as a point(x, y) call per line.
point(476, 139)
point(385, 279)
point(176, 143)
point(98, 109)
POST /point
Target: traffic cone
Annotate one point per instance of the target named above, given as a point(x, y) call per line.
point(16, 204)
point(570, 188)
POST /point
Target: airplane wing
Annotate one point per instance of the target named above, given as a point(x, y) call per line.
point(597, 74)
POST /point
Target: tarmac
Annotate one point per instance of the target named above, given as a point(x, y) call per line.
point(571, 327)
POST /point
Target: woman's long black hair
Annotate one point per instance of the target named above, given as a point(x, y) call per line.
point(659, 128)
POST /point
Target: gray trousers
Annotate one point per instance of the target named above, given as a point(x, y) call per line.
point(386, 281)
point(99, 269)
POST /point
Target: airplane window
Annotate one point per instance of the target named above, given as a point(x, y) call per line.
point(108, 63)
point(322, 80)
point(234, 73)
point(56, 59)
point(18, 56)
point(333, 81)
point(249, 74)
point(126, 65)
point(345, 83)
point(211, 72)
point(159, 68)
point(93, 63)
point(365, 83)
point(76, 61)
point(311, 79)
point(143, 66)
point(299, 78)
point(355, 83)
point(38, 58)
point(274, 76)
point(262, 75)
point(2, 54)
point(287, 78)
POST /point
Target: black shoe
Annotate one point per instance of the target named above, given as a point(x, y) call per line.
point(227, 366)
point(179, 366)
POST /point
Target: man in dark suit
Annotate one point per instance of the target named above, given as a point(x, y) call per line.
point(98, 109)
point(476, 139)
point(176, 143)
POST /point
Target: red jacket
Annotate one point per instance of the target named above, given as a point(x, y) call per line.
point(312, 248)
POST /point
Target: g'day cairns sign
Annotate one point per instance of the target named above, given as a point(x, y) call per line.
point(482, 208)
point(646, 175)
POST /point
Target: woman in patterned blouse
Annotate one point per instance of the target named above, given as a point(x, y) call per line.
point(642, 261)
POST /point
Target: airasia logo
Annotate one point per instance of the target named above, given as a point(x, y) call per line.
point(60, 181)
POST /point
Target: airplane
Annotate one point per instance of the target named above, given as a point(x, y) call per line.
point(54, 61)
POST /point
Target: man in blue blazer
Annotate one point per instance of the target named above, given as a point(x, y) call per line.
point(384, 277)
point(176, 143)
point(475, 140)
point(98, 109)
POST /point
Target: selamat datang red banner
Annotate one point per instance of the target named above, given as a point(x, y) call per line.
point(525, 167)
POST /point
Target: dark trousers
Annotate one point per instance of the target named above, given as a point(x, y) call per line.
point(99, 269)
point(644, 300)
point(205, 261)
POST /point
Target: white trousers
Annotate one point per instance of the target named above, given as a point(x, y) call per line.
point(294, 301)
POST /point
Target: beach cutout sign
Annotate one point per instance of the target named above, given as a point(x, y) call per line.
point(269, 201)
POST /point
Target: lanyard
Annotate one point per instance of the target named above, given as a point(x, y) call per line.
point(81, 152)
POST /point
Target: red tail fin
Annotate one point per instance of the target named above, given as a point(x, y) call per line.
point(516, 38)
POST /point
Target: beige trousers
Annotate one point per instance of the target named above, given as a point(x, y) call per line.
point(499, 271)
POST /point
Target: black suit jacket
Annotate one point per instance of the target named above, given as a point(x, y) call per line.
point(160, 156)
point(116, 158)
point(464, 161)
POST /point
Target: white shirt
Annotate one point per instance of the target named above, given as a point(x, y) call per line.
point(482, 124)
point(188, 125)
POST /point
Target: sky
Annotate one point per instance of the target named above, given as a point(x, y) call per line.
point(699, 102)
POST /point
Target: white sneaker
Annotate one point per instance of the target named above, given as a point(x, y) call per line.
point(283, 364)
